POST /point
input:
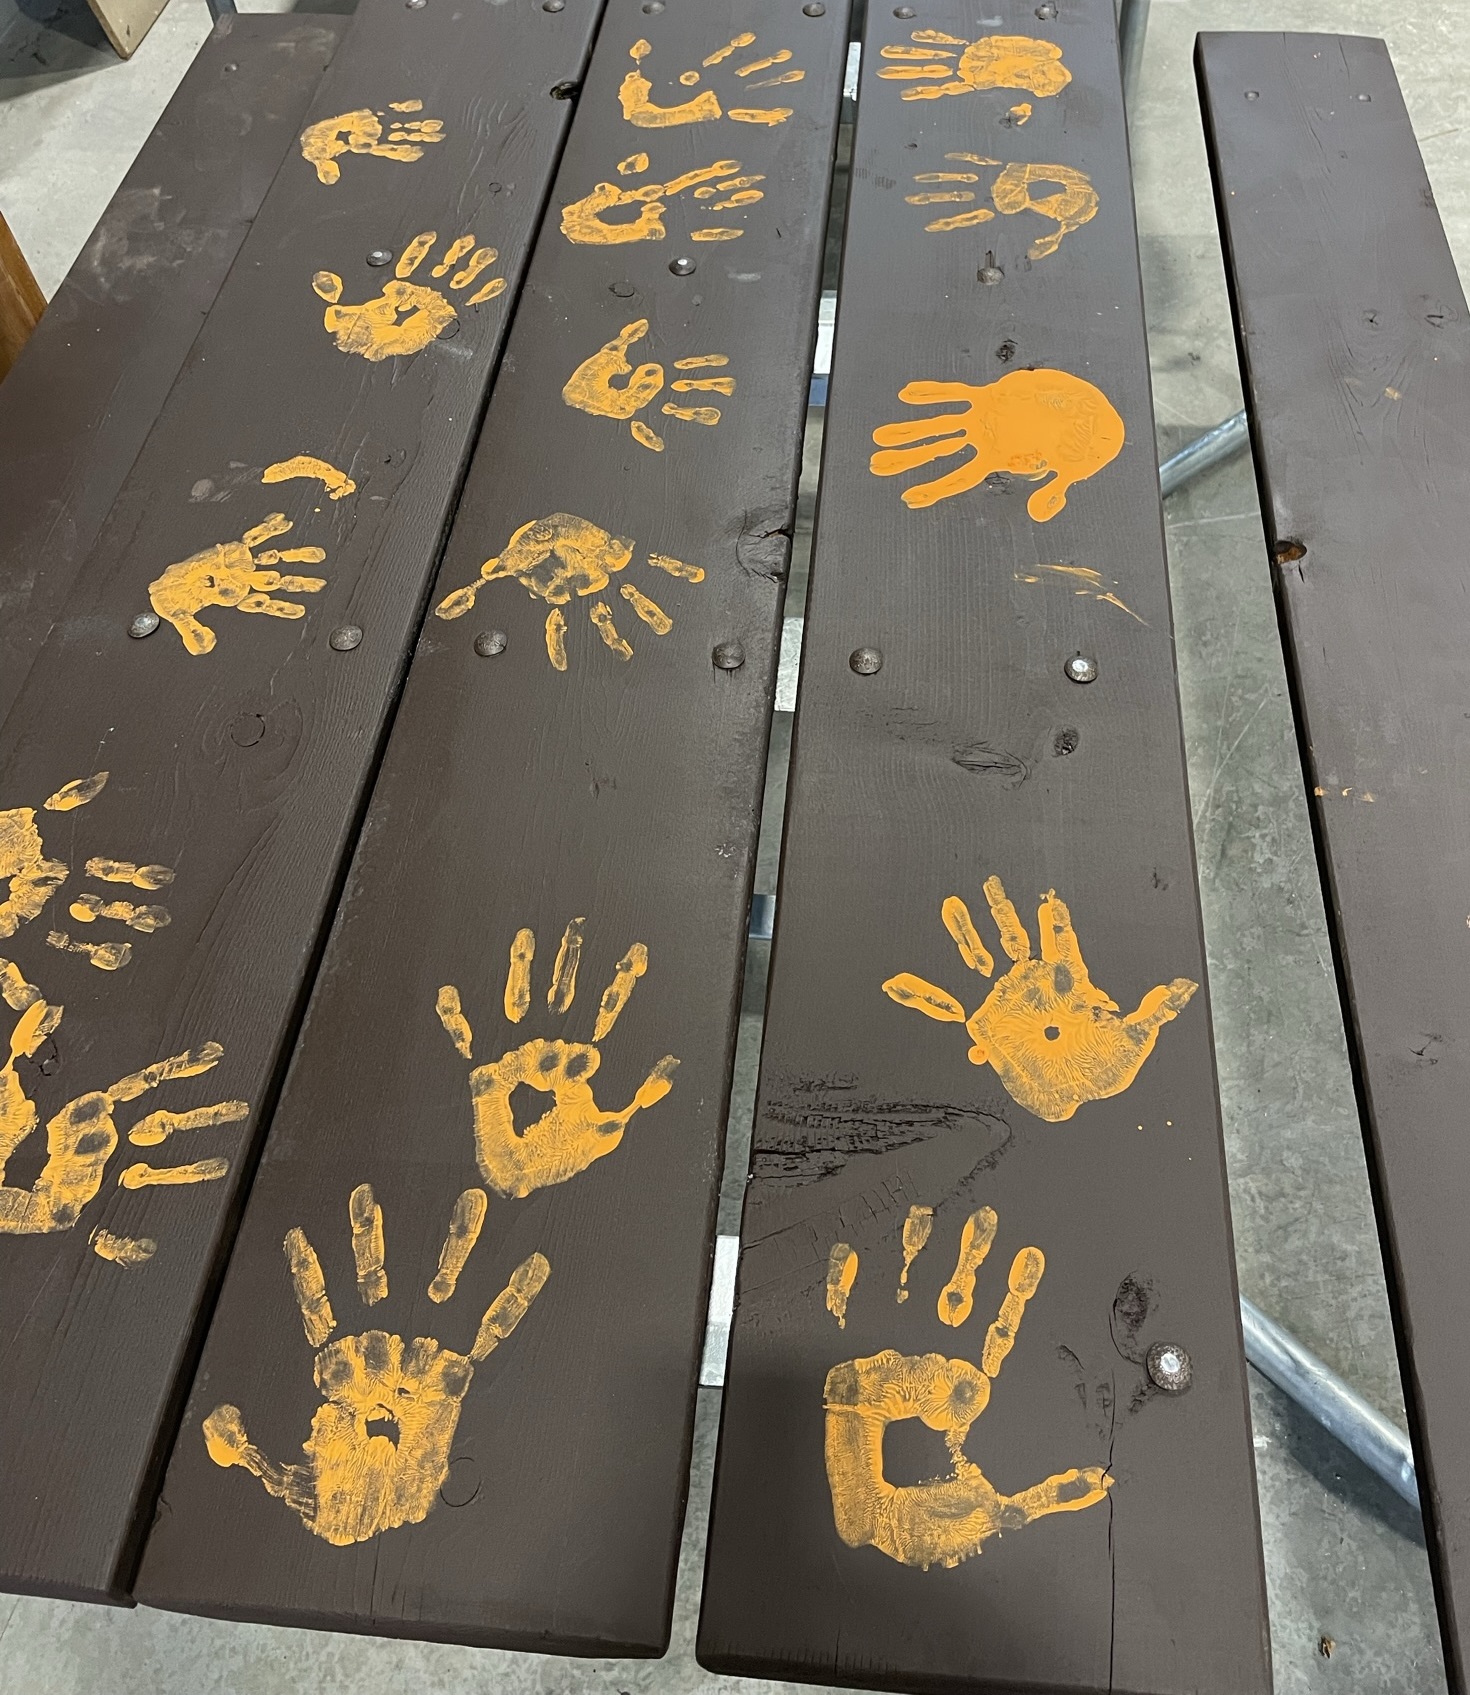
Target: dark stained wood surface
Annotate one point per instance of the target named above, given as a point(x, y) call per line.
point(971, 755)
point(623, 794)
point(241, 771)
point(1354, 344)
point(79, 402)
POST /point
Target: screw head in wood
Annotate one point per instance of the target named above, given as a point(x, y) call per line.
point(1170, 1368)
point(490, 642)
point(379, 256)
point(682, 267)
point(990, 275)
point(865, 660)
point(814, 9)
point(1365, 97)
point(728, 656)
point(1046, 11)
point(1081, 669)
point(344, 638)
point(1253, 94)
point(652, 7)
point(553, 5)
point(415, 5)
point(143, 625)
point(903, 11)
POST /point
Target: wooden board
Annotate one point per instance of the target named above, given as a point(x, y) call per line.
point(126, 22)
point(1095, 1530)
point(236, 776)
point(21, 300)
point(79, 403)
point(619, 793)
point(1354, 339)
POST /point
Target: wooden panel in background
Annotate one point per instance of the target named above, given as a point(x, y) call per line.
point(1094, 1530)
point(236, 773)
point(1355, 347)
point(79, 402)
point(21, 300)
point(621, 795)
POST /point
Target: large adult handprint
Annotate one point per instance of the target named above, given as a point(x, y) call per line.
point(947, 1519)
point(407, 316)
point(1029, 423)
point(1053, 1037)
point(573, 1131)
point(378, 1452)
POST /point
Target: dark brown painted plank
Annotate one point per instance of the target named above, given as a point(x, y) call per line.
point(623, 794)
point(969, 756)
point(1354, 338)
point(240, 771)
point(78, 404)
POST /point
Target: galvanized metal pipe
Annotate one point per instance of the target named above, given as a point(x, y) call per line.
point(1210, 449)
point(1132, 28)
point(1340, 1410)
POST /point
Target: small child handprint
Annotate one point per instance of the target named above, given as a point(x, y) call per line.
point(947, 1519)
point(573, 1131)
point(994, 61)
point(561, 556)
point(591, 387)
point(1053, 1037)
point(31, 878)
point(322, 144)
point(378, 1452)
point(232, 574)
point(640, 110)
point(82, 1136)
point(407, 316)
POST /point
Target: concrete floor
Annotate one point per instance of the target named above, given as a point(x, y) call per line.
point(1349, 1585)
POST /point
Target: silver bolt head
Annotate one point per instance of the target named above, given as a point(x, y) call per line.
point(380, 256)
point(1046, 11)
point(865, 661)
point(728, 656)
point(990, 275)
point(344, 638)
point(1253, 94)
point(653, 7)
point(490, 642)
point(143, 625)
point(415, 5)
point(814, 9)
point(682, 267)
point(1170, 1368)
point(1081, 669)
point(903, 11)
point(553, 5)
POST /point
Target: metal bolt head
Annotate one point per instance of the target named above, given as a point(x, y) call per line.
point(415, 5)
point(990, 275)
point(1046, 11)
point(1253, 94)
point(344, 638)
point(903, 11)
point(1081, 669)
point(682, 267)
point(1365, 97)
point(653, 7)
point(143, 625)
point(728, 656)
point(379, 256)
point(490, 642)
point(865, 660)
point(553, 5)
point(814, 9)
point(1170, 1368)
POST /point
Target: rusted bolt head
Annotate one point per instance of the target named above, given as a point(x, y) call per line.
point(682, 267)
point(490, 642)
point(344, 638)
point(143, 625)
point(1170, 1368)
point(1081, 669)
point(728, 656)
point(865, 660)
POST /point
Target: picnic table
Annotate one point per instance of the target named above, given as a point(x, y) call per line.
point(384, 950)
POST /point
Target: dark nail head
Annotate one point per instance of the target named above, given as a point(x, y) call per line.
point(490, 642)
point(728, 656)
point(344, 638)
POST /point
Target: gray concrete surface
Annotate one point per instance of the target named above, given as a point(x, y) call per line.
point(1349, 1586)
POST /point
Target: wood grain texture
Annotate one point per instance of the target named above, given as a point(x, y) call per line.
point(970, 755)
point(620, 792)
point(127, 21)
point(79, 403)
point(242, 771)
point(1354, 345)
point(21, 300)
